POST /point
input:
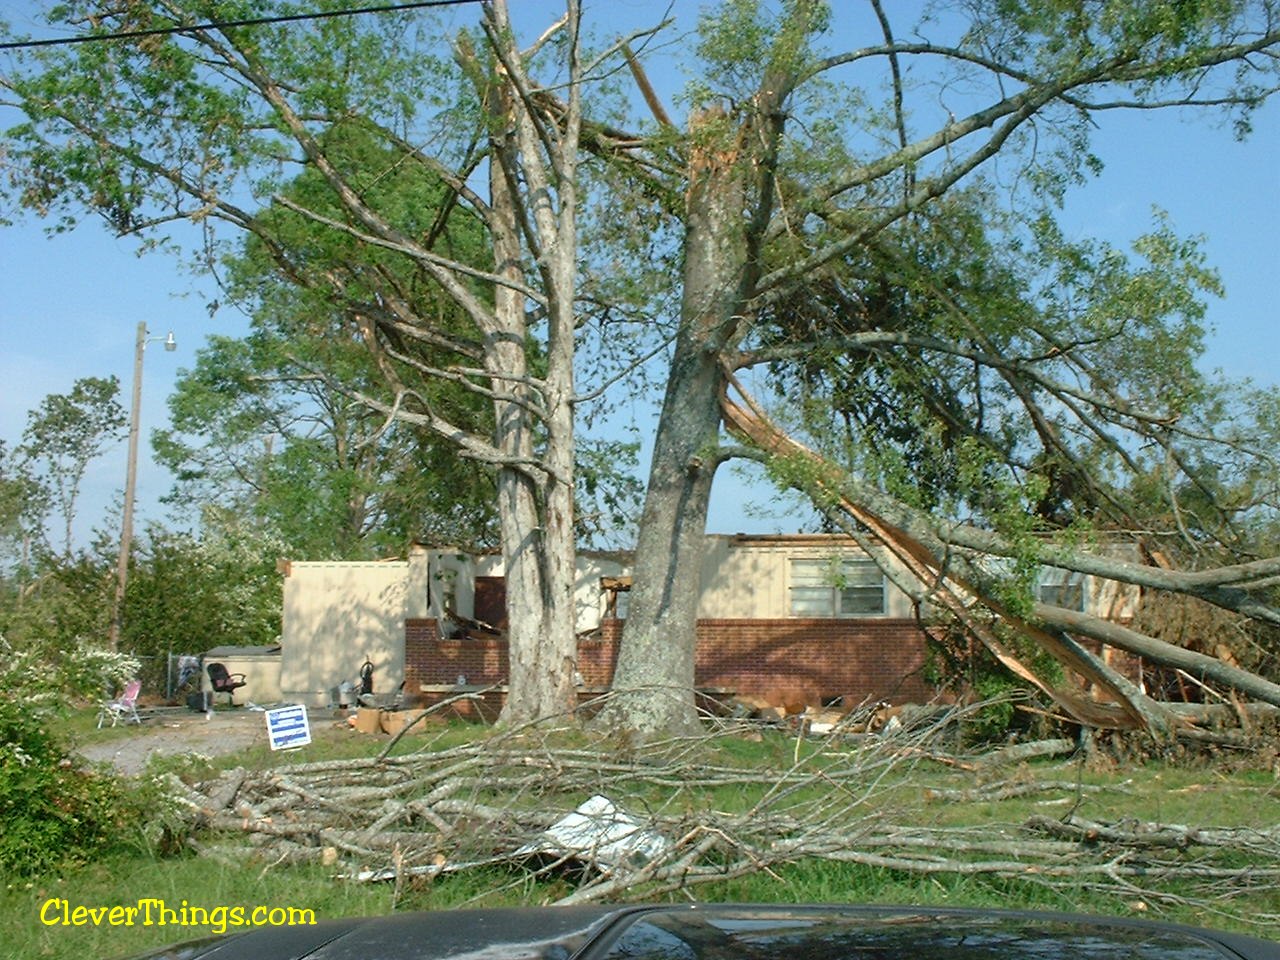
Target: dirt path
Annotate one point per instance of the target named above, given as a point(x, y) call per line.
point(181, 733)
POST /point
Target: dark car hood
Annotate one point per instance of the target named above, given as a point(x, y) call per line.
point(504, 934)
point(860, 933)
point(722, 932)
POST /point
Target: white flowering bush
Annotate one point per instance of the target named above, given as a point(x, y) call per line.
point(45, 678)
point(92, 670)
point(53, 808)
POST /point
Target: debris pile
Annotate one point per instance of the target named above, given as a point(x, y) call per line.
point(675, 814)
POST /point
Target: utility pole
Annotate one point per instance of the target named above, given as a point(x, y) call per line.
point(131, 482)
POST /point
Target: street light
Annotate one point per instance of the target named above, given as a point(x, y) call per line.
point(131, 480)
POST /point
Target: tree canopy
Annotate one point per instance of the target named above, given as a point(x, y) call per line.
point(211, 125)
point(268, 426)
point(64, 434)
point(833, 211)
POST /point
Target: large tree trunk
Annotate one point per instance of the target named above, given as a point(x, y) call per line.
point(653, 681)
point(728, 209)
point(541, 644)
point(554, 660)
point(538, 529)
point(535, 507)
point(543, 663)
point(654, 678)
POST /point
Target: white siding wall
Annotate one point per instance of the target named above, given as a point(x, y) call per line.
point(749, 578)
point(335, 616)
point(589, 600)
point(451, 582)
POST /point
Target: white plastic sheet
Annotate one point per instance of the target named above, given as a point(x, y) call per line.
point(600, 833)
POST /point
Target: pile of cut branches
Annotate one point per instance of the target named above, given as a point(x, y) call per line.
point(866, 799)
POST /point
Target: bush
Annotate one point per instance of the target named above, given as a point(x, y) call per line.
point(53, 808)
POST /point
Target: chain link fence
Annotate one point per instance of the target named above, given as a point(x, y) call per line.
point(172, 675)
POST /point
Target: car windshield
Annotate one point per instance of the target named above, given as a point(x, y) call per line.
point(832, 935)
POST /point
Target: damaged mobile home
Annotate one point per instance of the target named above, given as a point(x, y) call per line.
point(812, 617)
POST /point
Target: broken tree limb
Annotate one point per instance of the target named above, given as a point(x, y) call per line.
point(931, 559)
point(1157, 651)
point(932, 569)
point(1029, 751)
point(1175, 836)
point(488, 806)
point(1011, 789)
point(1203, 713)
point(225, 792)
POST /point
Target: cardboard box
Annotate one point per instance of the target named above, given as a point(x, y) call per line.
point(393, 721)
point(368, 720)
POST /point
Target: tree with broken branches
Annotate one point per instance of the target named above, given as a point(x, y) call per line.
point(1001, 401)
point(809, 245)
point(175, 113)
point(956, 580)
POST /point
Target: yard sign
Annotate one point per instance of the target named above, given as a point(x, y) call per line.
point(287, 727)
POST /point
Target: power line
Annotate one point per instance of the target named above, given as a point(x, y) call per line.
point(227, 24)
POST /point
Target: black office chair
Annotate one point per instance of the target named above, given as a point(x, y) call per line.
point(224, 681)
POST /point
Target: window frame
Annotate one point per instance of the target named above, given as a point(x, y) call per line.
point(1050, 579)
point(833, 593)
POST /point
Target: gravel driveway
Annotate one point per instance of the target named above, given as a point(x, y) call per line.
point(181, 733)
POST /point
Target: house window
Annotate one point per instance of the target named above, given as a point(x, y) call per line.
point(1060, 588)
point(836, 588)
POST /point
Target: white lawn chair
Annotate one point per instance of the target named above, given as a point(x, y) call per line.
point(124, 708)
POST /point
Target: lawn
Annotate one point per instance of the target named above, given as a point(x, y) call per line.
point(926, 794)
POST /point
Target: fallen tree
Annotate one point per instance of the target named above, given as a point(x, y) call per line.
point(945, 563)
point(672, 815)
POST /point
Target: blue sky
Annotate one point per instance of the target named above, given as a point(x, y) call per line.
point(69, 305)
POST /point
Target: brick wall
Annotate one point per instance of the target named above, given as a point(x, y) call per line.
point(823, 658)
point(430, 659)
point(420, 638)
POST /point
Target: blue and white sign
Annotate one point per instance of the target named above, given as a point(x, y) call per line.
point(287, 727)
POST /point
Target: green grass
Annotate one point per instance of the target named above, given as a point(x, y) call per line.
point(126, 879)
point(1201, 794)
point(81, 726)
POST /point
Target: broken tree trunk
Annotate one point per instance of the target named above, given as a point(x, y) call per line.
point(1157, 651)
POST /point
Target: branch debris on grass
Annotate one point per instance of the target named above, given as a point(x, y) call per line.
point(502, 801)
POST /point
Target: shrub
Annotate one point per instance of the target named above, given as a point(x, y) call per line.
point(53, 808)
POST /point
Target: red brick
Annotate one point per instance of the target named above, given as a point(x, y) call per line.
point(858, 659)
